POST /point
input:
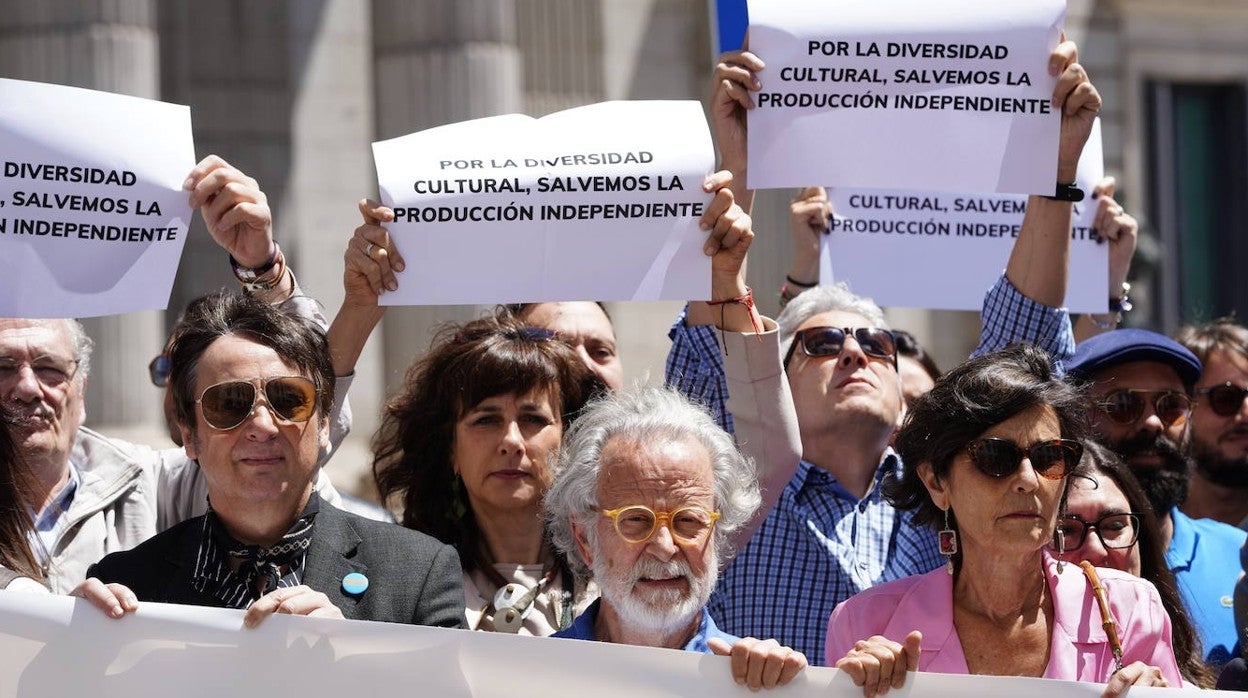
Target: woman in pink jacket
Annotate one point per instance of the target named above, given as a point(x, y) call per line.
point(987, 453)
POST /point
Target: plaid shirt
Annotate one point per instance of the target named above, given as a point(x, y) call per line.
point(820, 544)
point(818, 547)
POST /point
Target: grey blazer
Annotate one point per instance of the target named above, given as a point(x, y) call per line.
point(412, 577)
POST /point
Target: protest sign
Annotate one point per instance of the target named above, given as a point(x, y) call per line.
point(92, 212)
point(949, 95)
point(52, 647)
point(594, 203)
point(944, 250)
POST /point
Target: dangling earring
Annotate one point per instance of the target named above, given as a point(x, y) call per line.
point(1059, 543)
point(948, 541)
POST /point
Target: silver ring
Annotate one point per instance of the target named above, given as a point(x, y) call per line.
point(368, 250)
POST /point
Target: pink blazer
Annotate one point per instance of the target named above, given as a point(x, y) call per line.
point(1078, 651)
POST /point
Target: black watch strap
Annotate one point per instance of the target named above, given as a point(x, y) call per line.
point(1067, 192)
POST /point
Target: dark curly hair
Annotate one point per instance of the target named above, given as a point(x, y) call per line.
point(966, 402)
point(466, 364)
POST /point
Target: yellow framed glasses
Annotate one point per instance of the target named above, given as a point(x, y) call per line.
point(638, 523)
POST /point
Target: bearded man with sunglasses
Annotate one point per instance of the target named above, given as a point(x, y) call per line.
point(1219, 483)
point(1141, 384)
point(252, 390)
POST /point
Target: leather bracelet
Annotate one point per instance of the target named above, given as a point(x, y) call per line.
point(795, 282)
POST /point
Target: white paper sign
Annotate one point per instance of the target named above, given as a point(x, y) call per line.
point(944, 250)
point(948, 95)
point(92, 212)
point(54, 647)
point(594, 203)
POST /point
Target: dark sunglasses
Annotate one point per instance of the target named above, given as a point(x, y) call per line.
point(1126, 405)
point(829, 341)
point(158, 370)
point(227, 405)
point(1053, 459)
point(1114, 530)
point(1226, 399)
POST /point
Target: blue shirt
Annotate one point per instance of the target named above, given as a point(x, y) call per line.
point(583, 629)
point(821, 545)
point(50, 523)
point(1204, 556)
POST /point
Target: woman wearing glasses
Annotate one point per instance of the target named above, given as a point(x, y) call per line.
point(466, 444)
point(1109, 522)
point(987, 456)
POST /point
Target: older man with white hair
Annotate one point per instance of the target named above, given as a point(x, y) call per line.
point(648, 491)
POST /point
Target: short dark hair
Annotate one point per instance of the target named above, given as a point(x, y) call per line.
point(299, 342)
point(466, 364)
point(966, 402)
point(908, 345)
point(1099, 461)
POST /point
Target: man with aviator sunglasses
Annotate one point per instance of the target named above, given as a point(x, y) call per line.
point(93, 494)
point(1141, 384)
point(252, 390)
point(1219, 482)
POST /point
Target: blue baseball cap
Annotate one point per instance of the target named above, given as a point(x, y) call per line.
point(1132, 344)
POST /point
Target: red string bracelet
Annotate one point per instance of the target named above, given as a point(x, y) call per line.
point(748, 301)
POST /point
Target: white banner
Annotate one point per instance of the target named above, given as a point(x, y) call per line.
point(57, 647)
point(941, 250)
point(92, 212)
point(594, 203)
point(949, 95)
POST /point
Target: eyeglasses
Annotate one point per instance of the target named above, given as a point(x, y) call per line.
point(830, 341)
point(637, 523)
point(1116, 531)
point(227, 405)
point(1126, 405)
point(1052, 459)
point(158, 370)
point(50, 371)
point(1226, 399)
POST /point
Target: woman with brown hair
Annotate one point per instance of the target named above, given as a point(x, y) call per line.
point(19, 566)
point(467, 445)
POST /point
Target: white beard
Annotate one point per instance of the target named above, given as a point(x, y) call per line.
point(665, 611)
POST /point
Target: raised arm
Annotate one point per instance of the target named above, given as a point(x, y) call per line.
point(369, 264)
point(1026, 304)
point(1120, 230)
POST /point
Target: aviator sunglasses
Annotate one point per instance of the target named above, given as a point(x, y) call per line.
point(227, 405)
point(829, 341)
point(1226, 399)
point(1052, 459)
point(1126, 405)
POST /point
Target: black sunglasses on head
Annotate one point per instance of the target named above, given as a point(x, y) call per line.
point(1052, 459)
point(830, 341)
point(1226, 399)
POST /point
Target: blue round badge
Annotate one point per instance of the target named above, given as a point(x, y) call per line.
point(354, 583)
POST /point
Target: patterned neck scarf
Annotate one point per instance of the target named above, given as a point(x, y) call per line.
point(239, 588)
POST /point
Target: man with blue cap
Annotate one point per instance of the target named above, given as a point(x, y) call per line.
point(1141, 383)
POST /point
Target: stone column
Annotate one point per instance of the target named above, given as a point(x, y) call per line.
point(112, 47)
point(439, 62)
